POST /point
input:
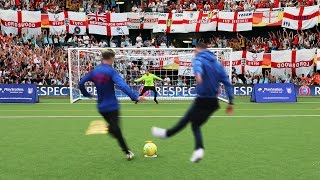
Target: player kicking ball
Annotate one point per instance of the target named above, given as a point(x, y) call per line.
point(104, 78)
point(148, 79)
point(209, 72)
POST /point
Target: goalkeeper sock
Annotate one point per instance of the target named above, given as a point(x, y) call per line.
point(155, 100)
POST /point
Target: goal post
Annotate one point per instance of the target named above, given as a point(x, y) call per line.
point(173, 65)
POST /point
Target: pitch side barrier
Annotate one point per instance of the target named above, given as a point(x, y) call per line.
point(175, 91)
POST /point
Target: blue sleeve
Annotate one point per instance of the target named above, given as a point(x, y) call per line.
point(119, 81)
point(227, 84)
point(82, 88)
point(197, 66)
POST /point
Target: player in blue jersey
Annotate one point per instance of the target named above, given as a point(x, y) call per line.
point(104, 78)
point(209, 72)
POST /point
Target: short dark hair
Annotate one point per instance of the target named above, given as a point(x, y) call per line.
point(201, 45)
point(108, 54)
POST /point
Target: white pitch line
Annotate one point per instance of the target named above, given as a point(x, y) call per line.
point(142, 110)
point(173, 103)
point(255, 116)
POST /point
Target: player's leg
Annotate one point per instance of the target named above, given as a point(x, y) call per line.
point(164, 133)
point(114, 129)
point(155, 94)
point(145, 89)
point(205, 107)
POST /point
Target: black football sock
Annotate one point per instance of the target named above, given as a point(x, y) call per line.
point(197, 136)
point(116, 132)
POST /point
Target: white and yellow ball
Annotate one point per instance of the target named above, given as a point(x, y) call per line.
point(149, 149)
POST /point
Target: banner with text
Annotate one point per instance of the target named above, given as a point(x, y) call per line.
point(18, 93)
point(280, 92)
point(238, 90)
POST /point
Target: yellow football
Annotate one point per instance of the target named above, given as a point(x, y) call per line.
point(150, 149)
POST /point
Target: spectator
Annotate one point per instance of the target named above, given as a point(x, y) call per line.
point(316, 78)
point(166, 81)
point(179, 81)
point(248, 78)
point(86, 40)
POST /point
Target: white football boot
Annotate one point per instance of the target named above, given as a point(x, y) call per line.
point(159, 132)
point(197, 155)
point(130, 155)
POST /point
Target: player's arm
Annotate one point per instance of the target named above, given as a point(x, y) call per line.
point(140, 79)
point(226, 82)
point(119, 81)
point(81, 83)
point(156, 77)
point(198, 70)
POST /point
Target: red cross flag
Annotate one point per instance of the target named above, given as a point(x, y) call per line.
point(75, 22)
point(300, 18)
point(110, 24)
point(171, 23)
point(238, 59)
point(270, 15)
point(185, 66)
point(143, 20)
point(19, 22)
point(235, 21)
point(57, 23)
point(294, 62)
point(201, 21)
point(254, 63)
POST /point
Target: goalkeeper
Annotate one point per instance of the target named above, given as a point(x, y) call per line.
point(148, 79)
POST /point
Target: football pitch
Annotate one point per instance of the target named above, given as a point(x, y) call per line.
point(261, 141)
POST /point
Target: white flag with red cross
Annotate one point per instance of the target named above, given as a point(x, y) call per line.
point(110, 24)
point(143, 20)
point(300, 18)
point(294, 62)
point(171, 23)
point(185, 66)
point(318, 59)
point(57, 23)
point(254, 63)
point(269, 15)
point(235, 21)
point(75, 22)
point(200, 21)
point(238, 59)
point(20, 22)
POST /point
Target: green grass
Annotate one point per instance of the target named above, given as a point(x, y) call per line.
point(281, 146)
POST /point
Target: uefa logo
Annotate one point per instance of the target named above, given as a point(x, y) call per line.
point(30, 90)
point(304, 91)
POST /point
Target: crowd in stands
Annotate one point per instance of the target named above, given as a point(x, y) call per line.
point(280, 40)
point(267, 77)
point(43, 59)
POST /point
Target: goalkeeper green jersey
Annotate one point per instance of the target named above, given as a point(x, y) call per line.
point(148, 79)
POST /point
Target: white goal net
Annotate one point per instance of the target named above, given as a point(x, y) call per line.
point(173, 65)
